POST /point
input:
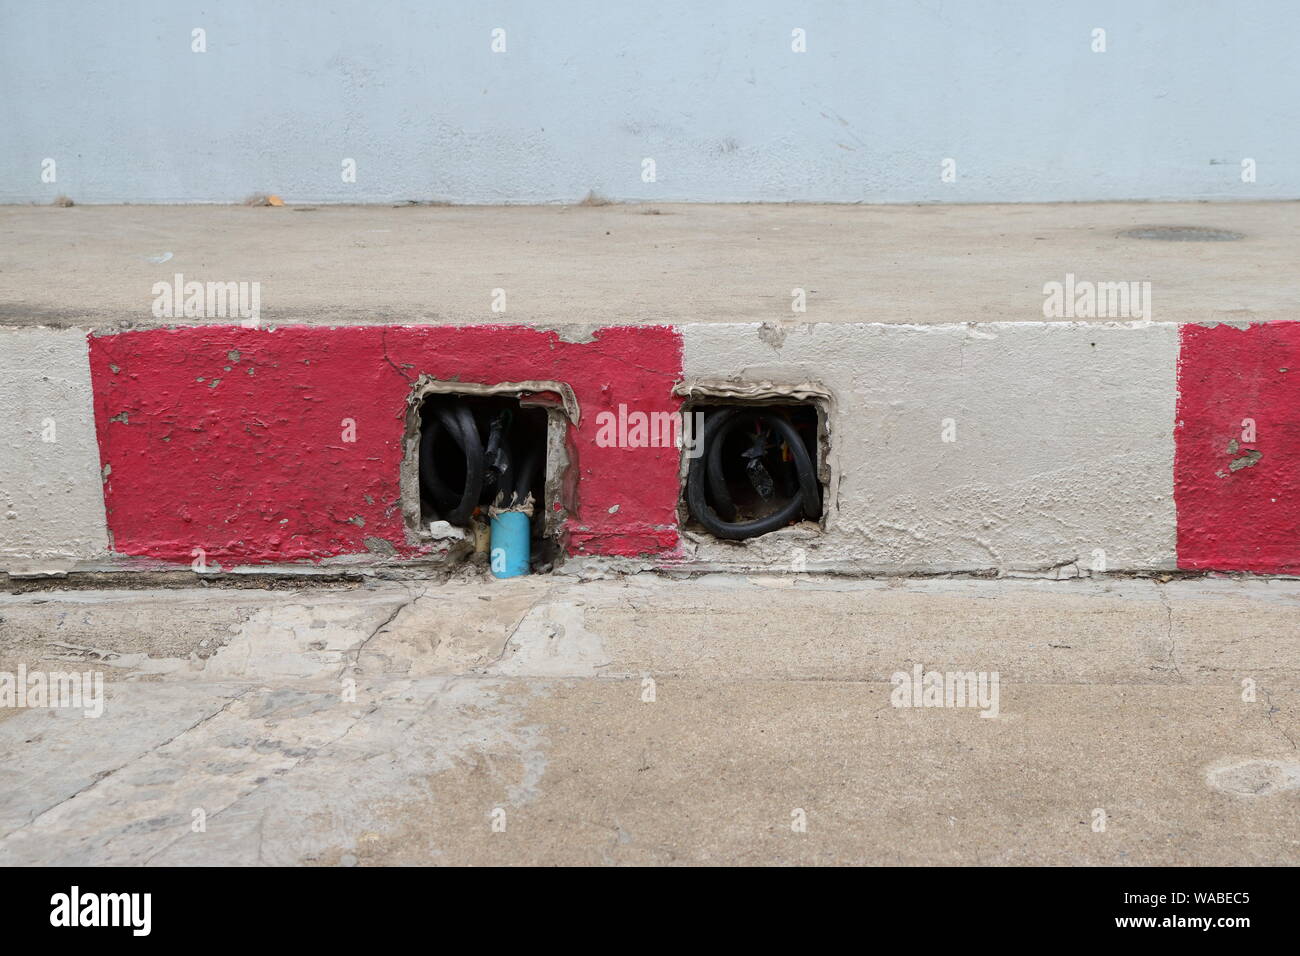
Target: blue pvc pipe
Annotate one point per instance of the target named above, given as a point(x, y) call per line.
point(510, 544)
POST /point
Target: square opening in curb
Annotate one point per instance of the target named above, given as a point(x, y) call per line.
point(758, 464)
point(474, 452)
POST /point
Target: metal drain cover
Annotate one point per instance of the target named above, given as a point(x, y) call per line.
point(1182, 234)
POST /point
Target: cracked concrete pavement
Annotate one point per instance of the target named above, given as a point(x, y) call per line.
point(647, 720)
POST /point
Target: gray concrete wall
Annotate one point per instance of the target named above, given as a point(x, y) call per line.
point(584, 92)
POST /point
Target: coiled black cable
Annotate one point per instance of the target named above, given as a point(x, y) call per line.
point(491, 475)
point(459, 424)
point(714, 508)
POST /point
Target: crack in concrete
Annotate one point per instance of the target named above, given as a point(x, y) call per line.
point(402, 606)
point(138, 757)
point(383, 340)
point(315, 751)
point(1169, 629)
point(1268, 716)
point(546, 595)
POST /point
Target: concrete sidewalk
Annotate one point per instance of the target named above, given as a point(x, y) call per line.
point(646, 720)
point(561, 266)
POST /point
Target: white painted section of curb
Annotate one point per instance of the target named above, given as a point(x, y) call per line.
point(1064, 443)
point(51, 500)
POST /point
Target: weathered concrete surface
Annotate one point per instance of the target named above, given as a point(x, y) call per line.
point(51, 505)
point(566, 265)
point(1017, 447)
point(770, 695)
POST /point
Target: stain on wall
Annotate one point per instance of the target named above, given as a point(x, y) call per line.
point(1237, 451)
point(231, 440)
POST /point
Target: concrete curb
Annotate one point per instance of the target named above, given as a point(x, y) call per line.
point(1055, 448)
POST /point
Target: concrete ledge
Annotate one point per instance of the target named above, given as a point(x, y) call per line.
point(567, 266)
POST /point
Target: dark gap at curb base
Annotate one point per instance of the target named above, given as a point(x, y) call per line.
point(344, 580)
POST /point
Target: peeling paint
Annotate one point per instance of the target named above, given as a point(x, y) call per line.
point(773, 334)
point(1245, 461)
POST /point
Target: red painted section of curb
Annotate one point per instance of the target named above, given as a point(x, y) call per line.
point(231, 439)
point(1238, 494)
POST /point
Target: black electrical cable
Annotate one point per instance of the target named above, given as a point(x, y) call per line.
point(499, 462)
point(715, 510)
point(491, 473)
point(443, 498)
point(459, 424)
point(524, 478)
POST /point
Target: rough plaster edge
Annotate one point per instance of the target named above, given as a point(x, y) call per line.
point(767, 392)
point(428, 385)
